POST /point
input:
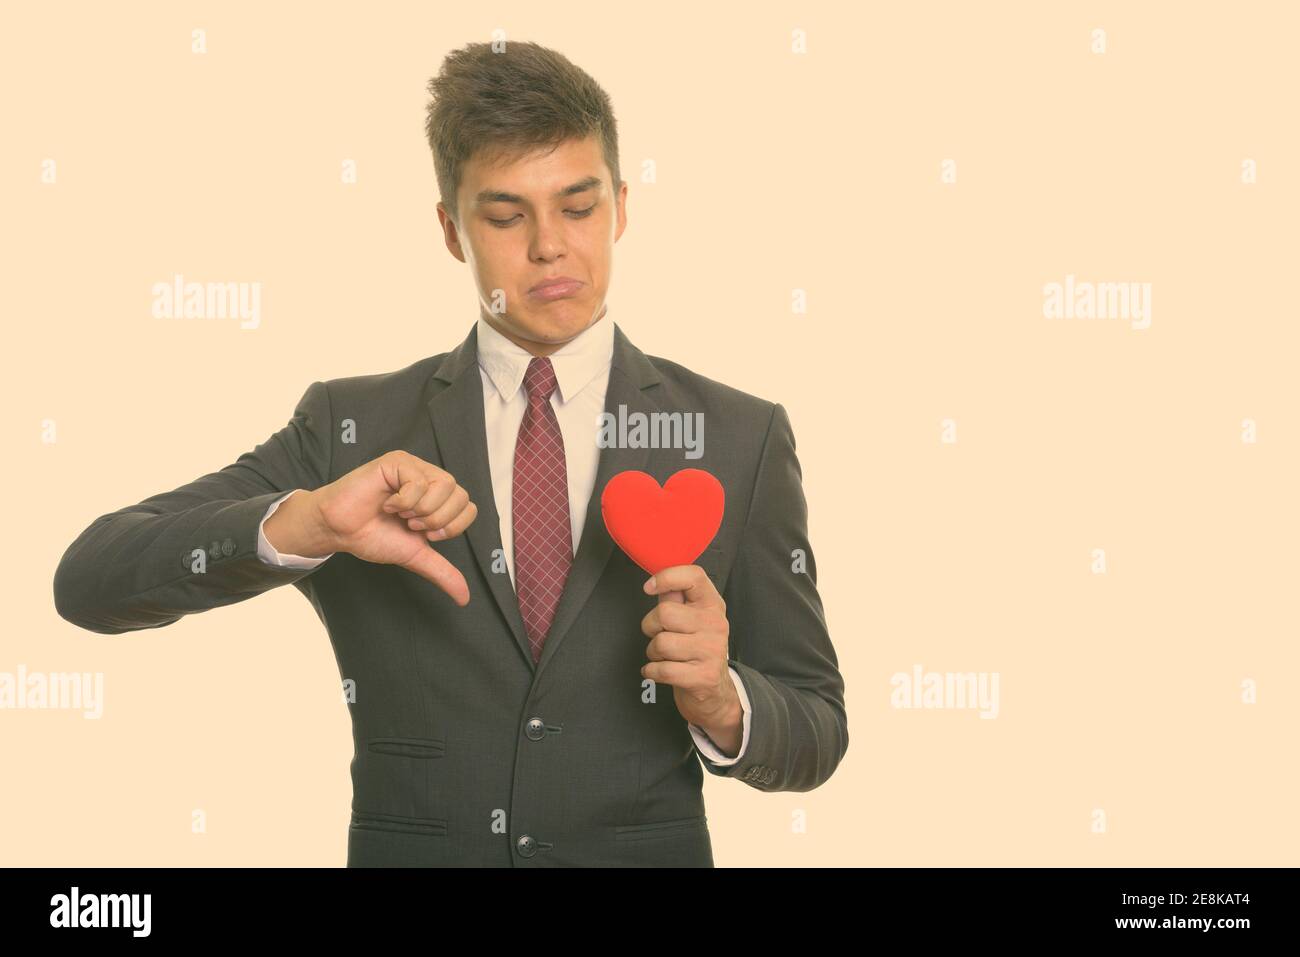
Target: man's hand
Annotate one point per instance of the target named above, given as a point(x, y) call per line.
point(688, 650)
point(384, 511)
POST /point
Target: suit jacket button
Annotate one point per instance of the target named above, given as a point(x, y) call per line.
point(214, 551)
point(535, 729)
point(526, 846)
point(228, 547)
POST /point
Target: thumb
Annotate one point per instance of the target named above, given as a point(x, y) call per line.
point(431, 566)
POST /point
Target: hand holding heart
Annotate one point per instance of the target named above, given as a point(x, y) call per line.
point(688, 650)
point(663, 530)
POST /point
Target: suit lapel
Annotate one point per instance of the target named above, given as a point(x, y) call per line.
point(459, 427)
point(456, 411)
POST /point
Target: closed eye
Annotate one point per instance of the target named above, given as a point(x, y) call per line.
point(573, 214)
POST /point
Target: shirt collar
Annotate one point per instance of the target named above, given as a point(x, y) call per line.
point(576, 363)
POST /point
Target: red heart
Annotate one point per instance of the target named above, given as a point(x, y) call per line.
point(661, 527)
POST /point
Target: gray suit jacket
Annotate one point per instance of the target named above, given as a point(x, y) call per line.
point(465, 752)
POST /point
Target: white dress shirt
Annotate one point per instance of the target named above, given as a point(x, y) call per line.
point(582, 374)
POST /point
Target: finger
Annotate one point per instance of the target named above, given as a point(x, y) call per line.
point(655, 621)
point(398, 468)
point(682, 618)
point(400, 460)
point(437, 496)
point(431, 566)
point(406, 496)
point(650, 627)
point(457, 525)
point(448, 509)
point(650, 624)
point(674, 646)
point(691, 580)
point(668, 672)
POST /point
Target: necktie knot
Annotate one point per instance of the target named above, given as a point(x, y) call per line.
point(539, 380)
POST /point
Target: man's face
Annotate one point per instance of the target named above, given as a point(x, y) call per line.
point(529, 220)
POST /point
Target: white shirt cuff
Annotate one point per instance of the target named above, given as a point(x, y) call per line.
point(707, 747)
point(267, 553)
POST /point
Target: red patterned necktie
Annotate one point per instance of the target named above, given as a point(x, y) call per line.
point(543, 539)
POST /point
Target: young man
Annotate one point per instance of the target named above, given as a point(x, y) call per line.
point(507, 664)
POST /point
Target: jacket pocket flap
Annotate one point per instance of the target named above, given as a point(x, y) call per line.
point(408, 747)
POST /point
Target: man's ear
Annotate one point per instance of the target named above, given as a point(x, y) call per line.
point(620, 206)
point(450, 232)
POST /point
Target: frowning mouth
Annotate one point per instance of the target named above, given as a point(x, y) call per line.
point(557, 287)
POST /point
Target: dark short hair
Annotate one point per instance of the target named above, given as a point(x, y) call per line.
point(515, 99)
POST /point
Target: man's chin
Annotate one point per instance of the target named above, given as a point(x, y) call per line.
point(558, 327)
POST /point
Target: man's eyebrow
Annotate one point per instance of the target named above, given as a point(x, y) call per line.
point(498, 196)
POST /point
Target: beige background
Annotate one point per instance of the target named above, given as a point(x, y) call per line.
point(776, 171)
